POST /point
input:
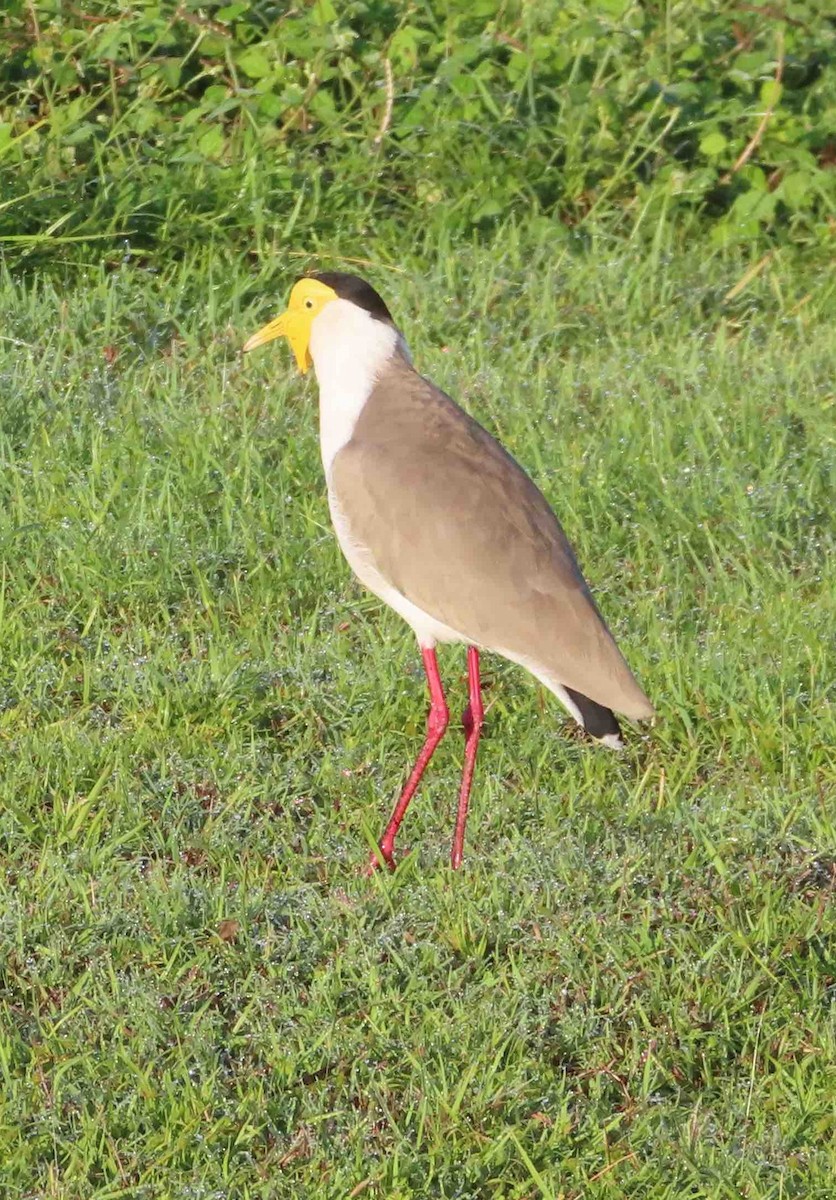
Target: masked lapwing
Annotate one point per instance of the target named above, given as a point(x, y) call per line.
point(441, 523)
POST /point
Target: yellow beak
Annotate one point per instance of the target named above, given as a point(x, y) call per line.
point(296, 327)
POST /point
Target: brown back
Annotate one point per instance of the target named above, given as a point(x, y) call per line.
point(460, 530)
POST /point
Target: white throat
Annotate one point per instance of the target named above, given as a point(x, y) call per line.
point(349, 349)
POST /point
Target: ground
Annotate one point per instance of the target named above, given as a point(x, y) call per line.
point(629, 988)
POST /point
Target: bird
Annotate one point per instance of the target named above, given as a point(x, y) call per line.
point(440, 522)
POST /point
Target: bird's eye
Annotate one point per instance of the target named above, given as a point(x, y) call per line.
point(309, 303)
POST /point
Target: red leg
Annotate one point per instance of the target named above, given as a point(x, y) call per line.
point(436, 725)
point(472, 722)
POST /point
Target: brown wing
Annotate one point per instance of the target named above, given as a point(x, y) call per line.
point(460, 530)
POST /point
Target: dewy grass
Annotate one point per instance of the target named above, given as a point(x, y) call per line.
point(203, 722)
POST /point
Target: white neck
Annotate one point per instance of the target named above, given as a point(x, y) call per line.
point(349, 349)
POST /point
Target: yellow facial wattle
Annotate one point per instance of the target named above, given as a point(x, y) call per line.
point(307, 299)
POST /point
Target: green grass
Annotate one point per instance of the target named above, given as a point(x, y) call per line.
point(160, 126)
point(629, 989)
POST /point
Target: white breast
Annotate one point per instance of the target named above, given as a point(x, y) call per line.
point(426, 628)
point(349, 349)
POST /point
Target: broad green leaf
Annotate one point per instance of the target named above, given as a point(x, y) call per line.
point(231, 12)
point(170, 73)
point(713, 143)
point(770, 93)
point(613, 8)
point(795, 188)
point(322, 106)
point(324, 12)
point(211, 143)
point(403, 48)
point(213, 46)
point(488, 208)
point(753, 205)
point(270, 105)
point(254, 62)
